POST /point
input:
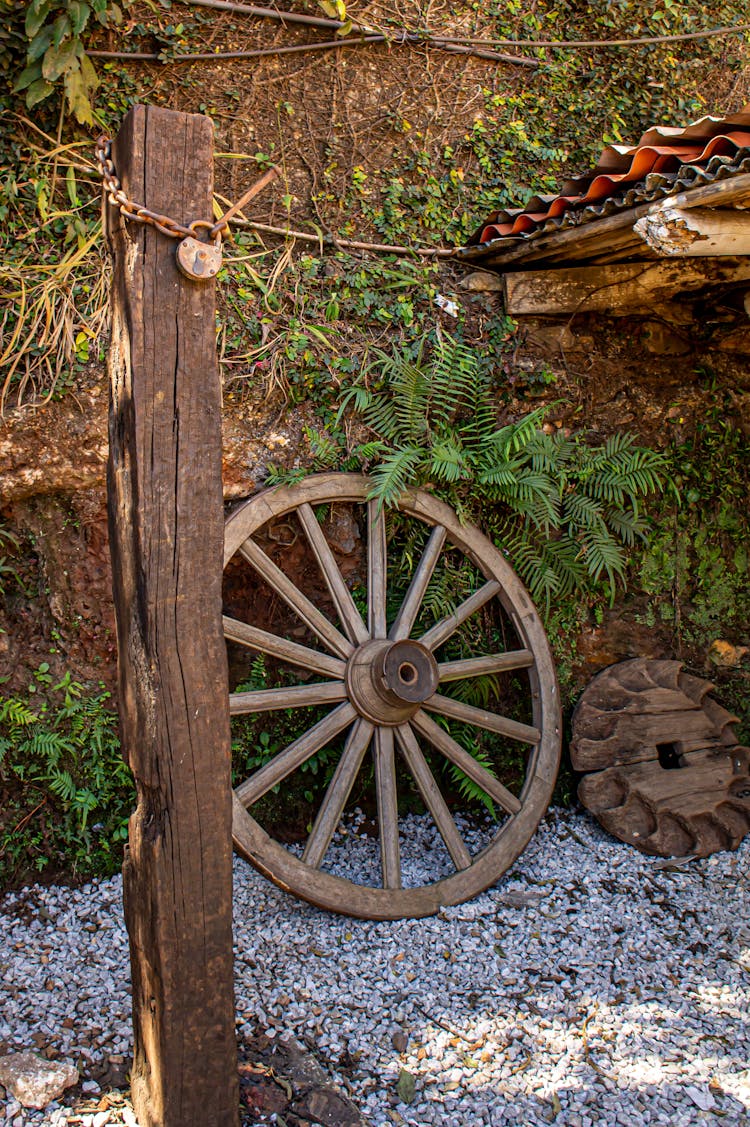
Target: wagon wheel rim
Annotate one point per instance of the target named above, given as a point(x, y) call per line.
point(380, 684)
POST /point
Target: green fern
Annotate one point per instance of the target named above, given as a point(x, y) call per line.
point(61, 769)
point(563, 508)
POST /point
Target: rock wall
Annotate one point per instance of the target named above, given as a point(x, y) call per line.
point(602, 374)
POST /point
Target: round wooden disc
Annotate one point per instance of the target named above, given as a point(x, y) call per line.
point(663, 769)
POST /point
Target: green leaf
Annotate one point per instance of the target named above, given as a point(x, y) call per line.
point(36, 14)
point(79, 13)
point(39, 44)
point(61, 29)
point(88, 72)
point(58, 60)
point(77, 94)
point(72, 189)
point(406, 1087)
point(27, 76)
point(334, 9)
point(38, 91)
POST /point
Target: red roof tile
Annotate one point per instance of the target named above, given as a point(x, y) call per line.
point(666, 150)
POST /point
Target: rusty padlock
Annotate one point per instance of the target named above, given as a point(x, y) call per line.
point(197, 260)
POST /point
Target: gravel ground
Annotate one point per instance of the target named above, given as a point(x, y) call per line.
point(592, 985)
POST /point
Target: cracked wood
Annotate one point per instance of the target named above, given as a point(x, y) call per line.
point(166, 531)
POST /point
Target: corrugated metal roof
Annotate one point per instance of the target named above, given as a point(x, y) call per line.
point(666, 160)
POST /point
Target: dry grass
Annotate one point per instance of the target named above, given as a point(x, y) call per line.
point(55, 304)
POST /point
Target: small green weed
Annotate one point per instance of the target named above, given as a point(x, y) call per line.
point(67, 793)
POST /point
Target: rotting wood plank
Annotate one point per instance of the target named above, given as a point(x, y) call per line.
point(166, 533)
point(699, 232)
point(669, 780)
point(619, 289)
point(702, 806)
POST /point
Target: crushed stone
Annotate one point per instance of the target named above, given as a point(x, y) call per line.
point(591, 985)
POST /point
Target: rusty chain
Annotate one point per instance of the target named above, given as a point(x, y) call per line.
point(139, 213)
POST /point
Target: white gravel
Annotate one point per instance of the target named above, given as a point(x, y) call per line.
point(592, 985)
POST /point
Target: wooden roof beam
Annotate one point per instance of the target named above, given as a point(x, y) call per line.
point(698, 232)
point(597, 237)
point(620, 289)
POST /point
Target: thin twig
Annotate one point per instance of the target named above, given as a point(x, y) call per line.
point(202, 56)
point(392, 36)
point(320, 21)
point(327, 45)
point(385, 248)
point(642, 41)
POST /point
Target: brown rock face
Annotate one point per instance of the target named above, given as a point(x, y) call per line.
point(61, 448)
point(58, 607)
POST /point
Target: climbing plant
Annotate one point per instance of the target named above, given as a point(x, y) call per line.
point(56, 57)
point(66, 792)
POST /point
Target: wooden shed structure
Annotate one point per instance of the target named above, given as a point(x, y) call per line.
point(652, 227)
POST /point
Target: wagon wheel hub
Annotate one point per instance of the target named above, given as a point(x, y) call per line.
point(388, 681)
point(376, 680)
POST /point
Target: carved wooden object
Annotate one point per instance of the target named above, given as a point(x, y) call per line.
point(666, 773)
point(384, 679)
point(166, 520)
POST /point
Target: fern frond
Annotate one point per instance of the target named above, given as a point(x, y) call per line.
point(454, 380)
point(396, 472)
point(61, 783)
point(602, 555)
point(626, 524)
point(324, 447)
point(447, 461)
point(537, 572)
point(581, 511)
point(279, 475)
point(356, 398)
point(15, 712)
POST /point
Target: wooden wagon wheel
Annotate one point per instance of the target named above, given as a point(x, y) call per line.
point(382, 688)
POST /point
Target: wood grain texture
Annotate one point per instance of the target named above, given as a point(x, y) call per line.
point(164, 482)
point(695, 232)
point(620, 289)
point(612, 234)
point(665, 773)
point(307, 876)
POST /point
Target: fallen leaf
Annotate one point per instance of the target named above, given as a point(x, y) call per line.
point(406, 1087)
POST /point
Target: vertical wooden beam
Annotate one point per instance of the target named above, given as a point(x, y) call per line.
point(166, 530)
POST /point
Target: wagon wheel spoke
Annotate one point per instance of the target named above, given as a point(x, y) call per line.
point(481, 718)
point(477, 666)
point(338, 791)
point(385, 787)
point(382, 690)
point(350, 617)
point(432, 797)
point(376, 570)
point(287, 651)
point(406, 616)
point(300, 604)
point(295, 754)
point(443, 629)
point(296, 696)
point(445, 743)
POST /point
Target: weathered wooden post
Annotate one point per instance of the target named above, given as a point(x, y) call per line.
point(166, 528)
